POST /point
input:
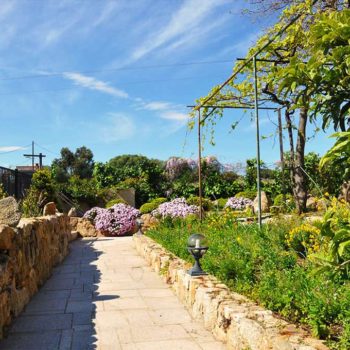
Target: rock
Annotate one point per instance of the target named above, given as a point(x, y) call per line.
point(311, 203)
point(73, 235)
point(149, 221)
point(73, 223)
point(50, 209)
point(9, 212)
point(73, 212)
point(86, 228)
point(265, 205)
point(6, 237)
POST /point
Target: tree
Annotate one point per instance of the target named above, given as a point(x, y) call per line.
point(145, 175)
point(290, 77)
point(80, 164)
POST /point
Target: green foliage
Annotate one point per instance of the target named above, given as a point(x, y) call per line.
point(221, 202)
point(251, 194)
point(3, 193)
point(145, 175)
point(80, 164)
point(42, 181)
point(159, 200)
point(150, 206)
point(81, 190)
point(339, 154)
point(335, 255)
point(114, 201)
point(206, 203)
point(32, 203)
point(258, 263)
point(286, 206)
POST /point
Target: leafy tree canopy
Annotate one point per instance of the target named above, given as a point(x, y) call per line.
point(80, 164)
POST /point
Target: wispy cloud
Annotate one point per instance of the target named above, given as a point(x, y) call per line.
point(157, 106)
point(172, 115)
point(189, 17)
point(94, 84)
point(11, 148)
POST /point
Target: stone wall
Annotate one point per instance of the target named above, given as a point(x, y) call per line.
point(231, 317)
point(27, 255)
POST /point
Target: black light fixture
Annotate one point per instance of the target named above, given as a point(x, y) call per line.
point(197, 246)
point(139, 223)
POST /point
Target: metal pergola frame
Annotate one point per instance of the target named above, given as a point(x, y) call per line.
point(200, 122)
point(253, 58)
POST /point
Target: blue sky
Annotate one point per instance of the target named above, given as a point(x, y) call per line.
point(116, 76)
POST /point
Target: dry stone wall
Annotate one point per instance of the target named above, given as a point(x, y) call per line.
point(231, 317)
point(27, 255)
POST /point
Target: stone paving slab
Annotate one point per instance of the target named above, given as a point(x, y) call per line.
point(104, 296)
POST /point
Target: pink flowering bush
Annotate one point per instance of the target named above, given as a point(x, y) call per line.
point(116, 220)
point(177, 208)
point(239, 203)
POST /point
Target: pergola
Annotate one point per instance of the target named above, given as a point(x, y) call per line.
point(253, 105)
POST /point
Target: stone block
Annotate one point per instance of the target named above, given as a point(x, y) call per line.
point(9, 212)
point(49, 209)
point(7, 235)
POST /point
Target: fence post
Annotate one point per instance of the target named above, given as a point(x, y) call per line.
point(16, 183)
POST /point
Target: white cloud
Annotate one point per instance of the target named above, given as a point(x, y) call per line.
point(157, 106)
point(11, 148)
point(190, 16)
point(116, 127)
point(173, 115)
point(94, 84)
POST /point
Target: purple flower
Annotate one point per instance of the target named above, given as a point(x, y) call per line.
point(116, 221)
point(239, 203)
point(177, 208)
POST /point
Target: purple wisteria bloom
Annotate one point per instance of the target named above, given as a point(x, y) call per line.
point(239, 203)
point(177, 208)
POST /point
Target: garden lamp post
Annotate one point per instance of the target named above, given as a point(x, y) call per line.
point(197, 246)
point(139, 224)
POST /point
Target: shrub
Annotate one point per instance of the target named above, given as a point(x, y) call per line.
point(159, 200)
point(116, 221)
point(33, 202)
point(238, 203)
point(152, 205)
point(177, 208)
point(114, 201)
point(250, 194)
point(148, 207)
point(206, 203)
point(42, 181)
point(221, 202)
point(304, 239)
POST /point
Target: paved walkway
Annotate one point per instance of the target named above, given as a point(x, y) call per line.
point(104, 296)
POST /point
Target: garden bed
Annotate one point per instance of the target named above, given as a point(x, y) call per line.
point(261, 266)
point(232, 318)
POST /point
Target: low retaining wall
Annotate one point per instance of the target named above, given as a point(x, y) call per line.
point(231, 317)
point(27, 255)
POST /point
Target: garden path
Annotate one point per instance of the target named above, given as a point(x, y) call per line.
point(104, 296)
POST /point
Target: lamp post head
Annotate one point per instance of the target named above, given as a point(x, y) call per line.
point(197, 246)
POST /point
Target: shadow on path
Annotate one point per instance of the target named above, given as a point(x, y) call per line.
point(60, 315)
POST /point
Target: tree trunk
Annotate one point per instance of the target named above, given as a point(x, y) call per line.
point(291, 148)
point(300, 180)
